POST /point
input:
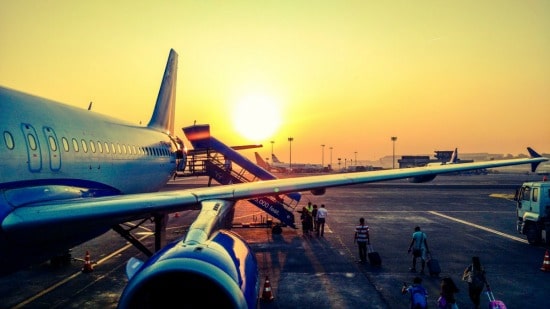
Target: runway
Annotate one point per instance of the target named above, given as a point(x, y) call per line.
point(460, 215)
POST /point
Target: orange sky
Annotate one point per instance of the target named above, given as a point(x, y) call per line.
point(349, 75)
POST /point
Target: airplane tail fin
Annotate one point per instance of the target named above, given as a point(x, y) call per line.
point(274, 158)
point(533, 154)
point(165, 108)
point(454, 157)
point(261, 162)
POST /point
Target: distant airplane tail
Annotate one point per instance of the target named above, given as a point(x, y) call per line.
point(274, 158)
point(261, 162)
point(165, 108)
point(454, 157)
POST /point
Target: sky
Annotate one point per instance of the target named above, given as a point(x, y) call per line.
point(345, 74)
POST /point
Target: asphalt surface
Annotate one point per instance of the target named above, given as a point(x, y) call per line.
point(462, 216)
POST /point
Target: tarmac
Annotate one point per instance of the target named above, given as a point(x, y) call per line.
point(462, 216)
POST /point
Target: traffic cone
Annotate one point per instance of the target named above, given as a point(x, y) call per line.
point(87, 264)
point(546, 262)
point(267, 294)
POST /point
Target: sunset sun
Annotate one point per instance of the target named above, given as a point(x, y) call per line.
point(256, 117)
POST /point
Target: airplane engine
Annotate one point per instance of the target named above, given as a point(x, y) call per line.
point(423, 178)
point(220, 273)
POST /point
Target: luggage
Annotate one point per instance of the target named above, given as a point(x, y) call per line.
point(494, 303)
point(433, 267)
point(374, 257)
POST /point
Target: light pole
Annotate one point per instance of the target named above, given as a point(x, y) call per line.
point(290, 139)
point(393, 139)
point(356, 158)
point(330, 158)
point(323, 155)
point(339, 162)
point(272, 142)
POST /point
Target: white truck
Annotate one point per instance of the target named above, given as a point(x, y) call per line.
point(533, 211)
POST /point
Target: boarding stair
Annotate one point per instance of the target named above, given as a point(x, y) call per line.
point(225, 165)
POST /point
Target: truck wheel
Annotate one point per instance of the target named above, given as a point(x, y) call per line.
point(533, 234)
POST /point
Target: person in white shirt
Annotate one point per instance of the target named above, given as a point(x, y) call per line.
point(321, 218)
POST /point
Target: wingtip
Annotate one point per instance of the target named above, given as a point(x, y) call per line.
point(533, 153)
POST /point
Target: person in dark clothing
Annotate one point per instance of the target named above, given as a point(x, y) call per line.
point(474, 275)
point(306, 221)
point(447, 293)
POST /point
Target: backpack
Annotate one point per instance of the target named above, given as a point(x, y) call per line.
point(418, 298)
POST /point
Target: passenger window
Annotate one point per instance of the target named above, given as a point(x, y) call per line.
point(106, 147)
point(84, 146)
point(32, 142)
point(75, 145)
point(124, 149)
point(8, 140)
point(535, 194)
point(65, 144)
point(53, 144)
point(92, 146)
point(100, 147)
point(113, 148)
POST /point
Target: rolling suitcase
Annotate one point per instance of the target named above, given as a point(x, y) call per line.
point(374, 257)
point(433, 267)
point(494, 303)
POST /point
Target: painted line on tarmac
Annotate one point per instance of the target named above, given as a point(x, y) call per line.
point(479, 227)
point(71, 277)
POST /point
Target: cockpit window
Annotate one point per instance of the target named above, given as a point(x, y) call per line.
point(526, 194)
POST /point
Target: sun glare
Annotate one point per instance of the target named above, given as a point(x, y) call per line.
point(257, 117)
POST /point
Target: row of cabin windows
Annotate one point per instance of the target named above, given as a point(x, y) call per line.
point(92, 146)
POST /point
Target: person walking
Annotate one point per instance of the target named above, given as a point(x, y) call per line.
point(447, 299)
point(474, 275)
point(321, 219)
point(419, 247)
point(306, 221)
point(362, 238)
point(417, 293)
point(314, 217)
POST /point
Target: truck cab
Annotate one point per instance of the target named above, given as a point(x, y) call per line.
point(533, 211)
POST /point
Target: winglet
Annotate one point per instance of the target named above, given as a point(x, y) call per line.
point(534, 154)
point(165, 108)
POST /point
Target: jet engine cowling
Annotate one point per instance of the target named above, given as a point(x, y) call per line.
point(220, 273)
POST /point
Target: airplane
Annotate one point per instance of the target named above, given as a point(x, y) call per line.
point(282, 167)
point(69, 175)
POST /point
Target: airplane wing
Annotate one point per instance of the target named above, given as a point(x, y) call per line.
point(112, 210)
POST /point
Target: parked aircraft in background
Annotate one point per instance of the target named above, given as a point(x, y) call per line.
point(282, 167)
point(69, 175)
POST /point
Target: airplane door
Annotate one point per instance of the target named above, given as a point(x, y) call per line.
point(53, 148)
point(33, 147)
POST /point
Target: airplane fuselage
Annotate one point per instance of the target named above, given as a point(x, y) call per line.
point(61, 152)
